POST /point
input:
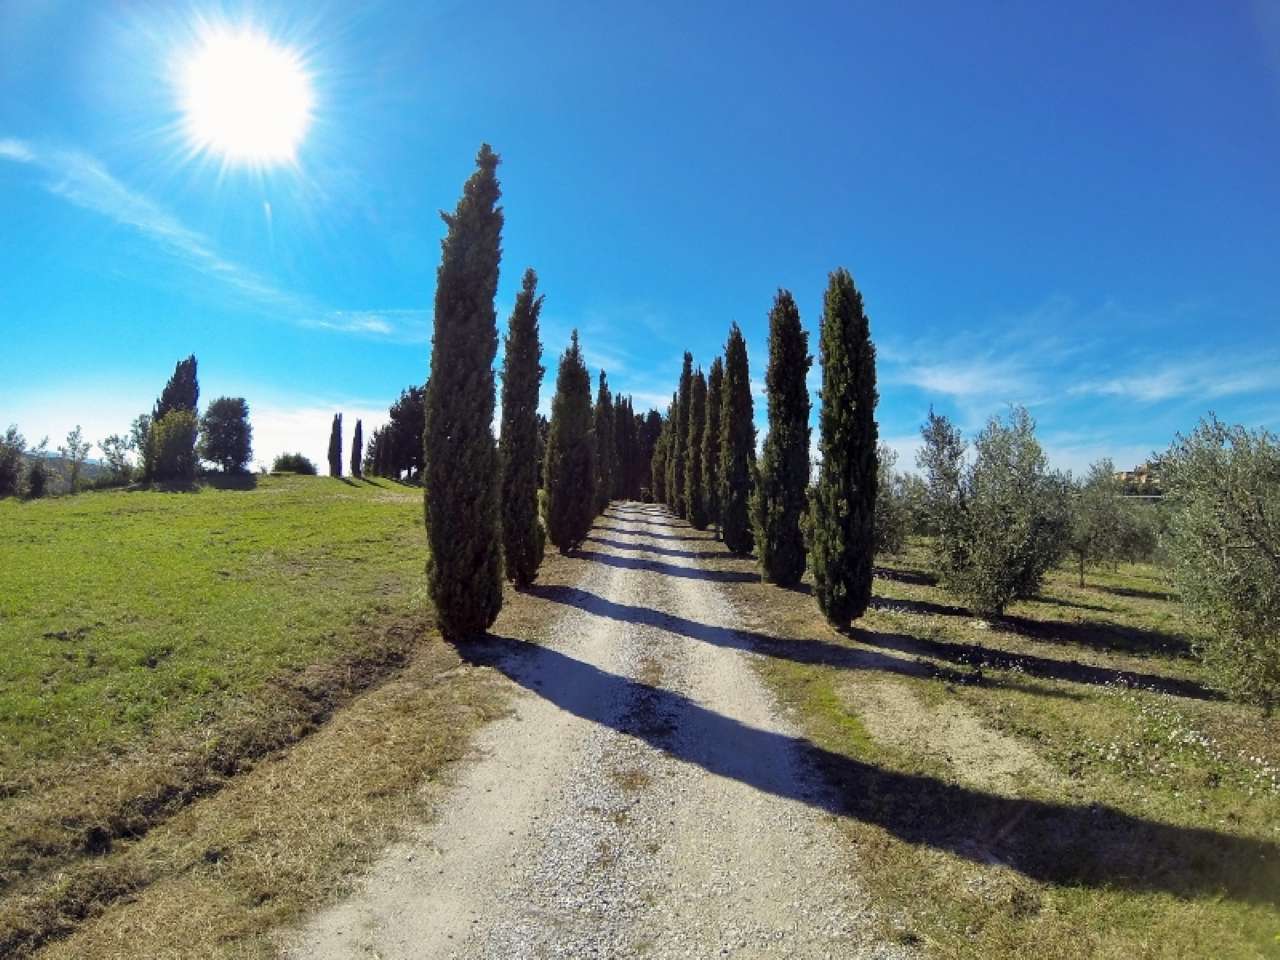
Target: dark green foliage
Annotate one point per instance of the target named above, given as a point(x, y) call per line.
point(694, 491)
point(182, 392)
point(226, 438)
point(173, 447)
point(357, 448)
point(658, 461)
point(12, 446)
point(844, 503)
point(673, 417)
point(894, 506)
point(115, 457)
point(522, 534)
point(711, 443)
point(570, 468)
point(464, 565)
point(1223, 488)
point(1001, 522)
point(649, 432)
point(626, 445)
point(293, 463)
point(737, 445)
point(335, 446)
point(405, 429)
point(781, 497)
point(680, 443)
point(37, 479)
point(1099, 517)
point(603, 419)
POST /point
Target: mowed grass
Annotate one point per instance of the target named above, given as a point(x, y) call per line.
point(1061, 783)
point(128, 615)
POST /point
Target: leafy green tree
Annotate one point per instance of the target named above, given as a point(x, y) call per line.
point(893, 507)
point(37, 479)
point(711, 443)
point(603, 417)
point(680, 442)
point(1223, 488)
point(1099, 517)
point(226, 437)
point(782, 495)
point(293, 463)
point(737, 445)
point(570, 468)
point(173, 447)
point(12, 446)
point(335, 446)
point(115, 453)
point(464, 566)
point(844, 502)
point(73, 455)
point(1002, 520)
point(522, 534)
point(357, 448)
point(694, 493)
point(405, 428)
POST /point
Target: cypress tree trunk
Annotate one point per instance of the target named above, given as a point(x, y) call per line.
point(335, 446)
point(781, 498)
point(737, 445)
point(844, 505)
point(460, 458)
point(603, 416)
point(357, 450)
point(711, 444)
point(522, 536)
point(695, 495)
point(570, 459)
point(680, 446)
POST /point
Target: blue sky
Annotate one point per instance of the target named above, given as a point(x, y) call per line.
point(1071, 206)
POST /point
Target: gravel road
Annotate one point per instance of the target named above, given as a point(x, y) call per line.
point(644, 799)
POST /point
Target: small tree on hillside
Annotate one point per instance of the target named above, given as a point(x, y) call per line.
point(293, 463)
point(335, 446)
point(844, 503)
point(37, 478)
point(464, 537)
point(893, 517)
point(737, 445)
point(603, 418)
point(74, 454)
point(357, 448)
point(12, 446)
point(711, 443)
point(782, 496)
point(522, 534)
point(115, 453)
point(226, 437)
point(1223, 486)
point(680, 443)
point(570, 466)
point(694, 492)
point(173, 447)
point(1099, 517)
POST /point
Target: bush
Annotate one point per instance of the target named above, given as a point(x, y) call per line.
point(1223, 490)
point(173, 447)
point(1001, 521)
point(12, 444)
point(293, 463)
point(892, 519)
point(226, 438)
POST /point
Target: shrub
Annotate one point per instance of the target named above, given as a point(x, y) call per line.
point(293, 463)
point(892, 520)
point(173, 447)
point(12, 445)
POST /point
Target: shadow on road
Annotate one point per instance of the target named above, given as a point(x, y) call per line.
point(660, 551)
point(668, 569)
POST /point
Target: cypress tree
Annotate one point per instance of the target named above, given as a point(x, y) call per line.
point(694, 492)
point(680, 480)
point(570, 465)
point(711, 443)
point(649, 428)
point(522, 537)
point(844, 506)
point(460, 457)
point(658, 463)
point(673, 416)
point(357, 450)
point(335, 446)
point(781, 497)
point(182, 392)
point(603, 417)
point(737, 445)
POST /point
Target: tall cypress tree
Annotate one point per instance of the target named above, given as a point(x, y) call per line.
point(180, 394)
point(673, 491)
point(603, 417)
point(357, 450)
point(781, 498)
point(681, 443)
point(711, 443)
point(658, 462)
point(844, 505)
point(522, 536)
point(460, 457)
point(335, 446)
point(694, 492)
point(737, 445)
point(570, 464)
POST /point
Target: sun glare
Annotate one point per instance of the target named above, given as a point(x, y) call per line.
point(245, 98)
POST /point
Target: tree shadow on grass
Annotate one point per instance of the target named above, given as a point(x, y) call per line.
point(1064, 844)
point(230, 481)
point(1140, 594)
point(917, 578)
point(660, 551)
point(668, 569)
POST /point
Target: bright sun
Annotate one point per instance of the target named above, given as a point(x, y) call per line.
point(245, 98)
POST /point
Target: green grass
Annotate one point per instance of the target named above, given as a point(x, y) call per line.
point(128, 615)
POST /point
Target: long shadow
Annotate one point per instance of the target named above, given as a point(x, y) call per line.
point(657, 519)
point(1091, 845)
point(669, 569)
point(230, 481)
point(1096, 634)
point(918, 578)
point(809, 651)
point(654, 536)
point(661, 551)
point(1138, 593)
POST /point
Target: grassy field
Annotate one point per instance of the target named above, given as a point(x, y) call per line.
point(1062, 783)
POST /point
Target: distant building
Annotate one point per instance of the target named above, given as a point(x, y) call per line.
point(1142, 480)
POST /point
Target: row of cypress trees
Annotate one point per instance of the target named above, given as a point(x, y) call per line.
point(706, 452)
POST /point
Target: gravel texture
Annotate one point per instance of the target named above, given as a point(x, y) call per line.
point(644, 799)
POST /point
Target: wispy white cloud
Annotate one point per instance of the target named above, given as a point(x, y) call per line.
point(1221, 376)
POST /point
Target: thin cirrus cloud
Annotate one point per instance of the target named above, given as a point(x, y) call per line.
point(82, 180)
point(1196, 380)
